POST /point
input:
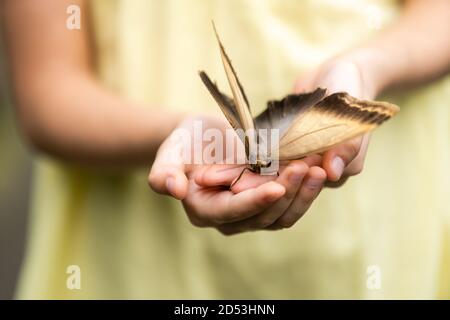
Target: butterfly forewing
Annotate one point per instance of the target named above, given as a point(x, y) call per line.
point(239, 97)
point(236, 110)
point(225, 103)
point(333, 120)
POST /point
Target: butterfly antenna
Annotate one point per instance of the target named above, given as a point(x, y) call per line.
point(230, 168)
point(239, 177)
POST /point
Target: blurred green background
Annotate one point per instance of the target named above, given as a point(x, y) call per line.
point(15, 172)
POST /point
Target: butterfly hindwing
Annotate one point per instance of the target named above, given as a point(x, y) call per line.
point(225, 103)
point(281, 113)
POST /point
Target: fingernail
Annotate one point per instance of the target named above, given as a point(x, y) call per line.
point(170, 183)
point(338, 166)
point(313, 183)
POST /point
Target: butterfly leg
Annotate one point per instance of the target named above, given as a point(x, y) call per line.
point(239, 177)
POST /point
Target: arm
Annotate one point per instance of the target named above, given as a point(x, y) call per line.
point(414, 50)
point(63, 110)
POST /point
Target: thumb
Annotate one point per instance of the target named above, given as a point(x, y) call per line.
point(168, 172)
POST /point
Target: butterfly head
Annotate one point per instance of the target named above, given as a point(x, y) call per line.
point(260, 163)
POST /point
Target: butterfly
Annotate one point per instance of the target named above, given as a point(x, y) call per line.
point(307, 123)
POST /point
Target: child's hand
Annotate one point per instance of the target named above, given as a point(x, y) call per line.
point(256, 202)
point(342, 74)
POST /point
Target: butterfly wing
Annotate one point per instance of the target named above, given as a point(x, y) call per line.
point(225, 103)
point(331, 121)
point(239, 97)
point(281, 113)
point(236, 110)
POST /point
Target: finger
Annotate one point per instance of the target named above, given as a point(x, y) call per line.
point(305, 81)
point(291, 179)
point(253, 180)
point(219, 207)
point(310, 188)
point(225, 175)
point(356, 166)
point(336, 159)
point(313, 160)
point(340, 75)
point(336, 184)
point(218, 175)
point(167, 175)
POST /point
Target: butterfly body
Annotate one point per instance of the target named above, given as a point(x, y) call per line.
point(256, 167)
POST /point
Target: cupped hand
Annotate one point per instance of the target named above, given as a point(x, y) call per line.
point(300, 185)
point(256, 202)
point(262, 202)
point(341, 74)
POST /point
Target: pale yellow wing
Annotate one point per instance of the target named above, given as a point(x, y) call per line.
point(333, 120)
point(242, 116)
point(239, 97)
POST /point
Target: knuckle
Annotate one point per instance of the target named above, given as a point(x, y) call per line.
point(356, 168)
point(263, 223)
point(354, 146)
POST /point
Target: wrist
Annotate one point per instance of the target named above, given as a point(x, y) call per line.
point(374, 69)
point(357, 72)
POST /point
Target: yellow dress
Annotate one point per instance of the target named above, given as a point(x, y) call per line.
point(132, 243)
